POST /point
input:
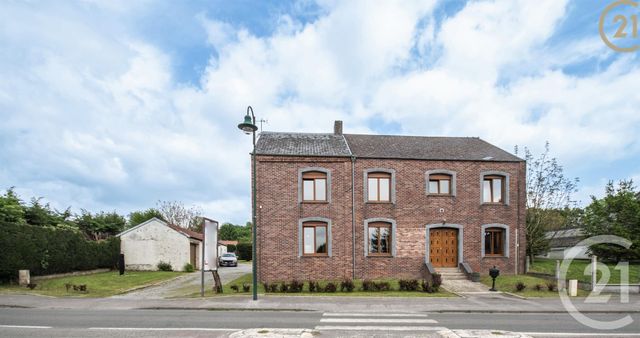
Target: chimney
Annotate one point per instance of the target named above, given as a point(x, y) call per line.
point(337, 128)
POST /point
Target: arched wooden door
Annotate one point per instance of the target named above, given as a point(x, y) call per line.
point(443, 247)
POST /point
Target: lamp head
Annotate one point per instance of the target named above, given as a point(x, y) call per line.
point(247, 126)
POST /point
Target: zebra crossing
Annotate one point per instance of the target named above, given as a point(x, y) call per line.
point(343, 321)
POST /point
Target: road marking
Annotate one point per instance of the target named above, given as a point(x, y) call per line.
point(338, 314)
point(574, 334)
point(378, 320)
point(25, 327)
point(162, 329)
point(381, 328)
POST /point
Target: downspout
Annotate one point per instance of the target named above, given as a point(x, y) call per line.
point(518, 217)
point(353, 216)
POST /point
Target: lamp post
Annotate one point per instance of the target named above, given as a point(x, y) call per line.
point(249, 127)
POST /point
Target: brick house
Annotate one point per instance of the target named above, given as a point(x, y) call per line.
point(334, 206)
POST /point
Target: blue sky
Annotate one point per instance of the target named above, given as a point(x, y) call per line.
point(114, 105)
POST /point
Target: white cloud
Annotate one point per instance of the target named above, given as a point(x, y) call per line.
point(94, 118)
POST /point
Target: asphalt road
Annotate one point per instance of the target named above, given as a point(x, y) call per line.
point(18, 322)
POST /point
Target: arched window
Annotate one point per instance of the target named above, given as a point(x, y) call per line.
point(494, 242)
point(493, 189)
point(379, 187)
point(314, 186)
point(380, 240)
point(440, 184)
point(315, 238)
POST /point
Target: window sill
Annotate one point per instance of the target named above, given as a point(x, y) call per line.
point(376, 202)
point(379, 256)
point(315, 256)
point(440, 195)
point(494, 204)
point(314, 202)
point(496, 256)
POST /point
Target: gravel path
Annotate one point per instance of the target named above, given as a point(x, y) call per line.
point(187, 284)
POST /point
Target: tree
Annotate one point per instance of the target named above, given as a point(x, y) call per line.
point(42, 215)
point(618, 213)
point(137, 217)
point(11, 209)
point(101, 225)
point(228, 232)
point(176, 213)
point(547, 189)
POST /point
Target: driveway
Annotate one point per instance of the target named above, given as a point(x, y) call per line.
point(187, 284)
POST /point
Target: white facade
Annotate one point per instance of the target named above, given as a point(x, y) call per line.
point(148, 243)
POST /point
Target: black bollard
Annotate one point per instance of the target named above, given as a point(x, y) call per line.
point(121, 264)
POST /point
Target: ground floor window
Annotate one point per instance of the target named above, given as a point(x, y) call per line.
point(494, 242)
point(314, 236)
point(379, 239)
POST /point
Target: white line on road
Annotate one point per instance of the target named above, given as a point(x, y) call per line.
point(377, 320)
point(162, 329)
point(574, 334)
point(381, 328)
point(25, 327)
point(338, 314)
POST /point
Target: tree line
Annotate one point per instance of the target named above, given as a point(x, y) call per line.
point(94, 226)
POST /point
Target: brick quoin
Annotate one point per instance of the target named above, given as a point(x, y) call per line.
point(279, 212)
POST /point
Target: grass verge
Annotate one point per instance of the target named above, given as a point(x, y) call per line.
point(579, 266)
point(508, 283)
point(102, 284)
point(246, 279)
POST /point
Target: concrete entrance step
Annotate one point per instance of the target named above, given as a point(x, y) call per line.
point(453, 276)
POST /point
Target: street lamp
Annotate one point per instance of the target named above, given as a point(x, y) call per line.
point(249, 127)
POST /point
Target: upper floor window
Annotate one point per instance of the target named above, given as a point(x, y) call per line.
point(314, 186)
point(494, 242)
point(440, 184)
point(379, 238)
point(315, 238)
point(379, 187)
point(493, 189)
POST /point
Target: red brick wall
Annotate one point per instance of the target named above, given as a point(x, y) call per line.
point(279, 213)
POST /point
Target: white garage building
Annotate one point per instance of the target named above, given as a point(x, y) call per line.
point(148, 243)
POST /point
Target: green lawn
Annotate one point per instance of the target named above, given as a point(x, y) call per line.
point(98, 285)
point(578, 267)
point(356, 293)
point(507, 283)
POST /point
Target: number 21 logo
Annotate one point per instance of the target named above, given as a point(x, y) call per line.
point(622, 31)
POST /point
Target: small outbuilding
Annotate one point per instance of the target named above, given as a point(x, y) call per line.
point(153, 241)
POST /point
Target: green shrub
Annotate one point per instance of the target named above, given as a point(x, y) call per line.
point(368, 285)
point(164, 266)
point(246, 287)
point(520, 286)
point(330, 287)
point(551, 286)
point(234, 288)
point(48, 250)
point(408, 284)
point(244, 251)
point(295, 286)
point(231, 248)
point(347, 285)
point(436, 281)
point(188, 268)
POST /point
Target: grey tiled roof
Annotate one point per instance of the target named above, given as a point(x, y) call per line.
point(380, 146)
point(301, 144)
point(426, 148)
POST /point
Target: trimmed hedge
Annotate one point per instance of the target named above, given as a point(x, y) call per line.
point(48, 250)
point(244, 251)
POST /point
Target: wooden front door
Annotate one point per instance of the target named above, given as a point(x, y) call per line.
point(443, 247)
point(194, 249)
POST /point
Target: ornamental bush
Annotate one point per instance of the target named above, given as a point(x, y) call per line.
point(244, 251)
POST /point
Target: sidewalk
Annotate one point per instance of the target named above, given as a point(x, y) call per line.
point(472, 303)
